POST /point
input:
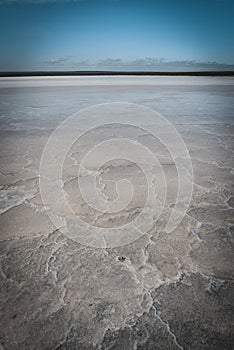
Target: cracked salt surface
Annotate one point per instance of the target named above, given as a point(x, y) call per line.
point(164, 290)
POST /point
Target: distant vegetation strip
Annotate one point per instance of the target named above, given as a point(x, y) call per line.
point(104, 73)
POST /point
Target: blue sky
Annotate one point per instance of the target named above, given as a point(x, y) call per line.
point(116, 34)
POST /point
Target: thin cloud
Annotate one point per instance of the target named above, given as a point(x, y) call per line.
point(68, 63)
point(161, 64)
point(117, 64)
point(110, 61)
point(144, 64)
point(56, 61)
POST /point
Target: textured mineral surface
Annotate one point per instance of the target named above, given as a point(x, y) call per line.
point(68, 287)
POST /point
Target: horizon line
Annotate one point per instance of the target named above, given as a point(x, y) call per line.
point(108, 72)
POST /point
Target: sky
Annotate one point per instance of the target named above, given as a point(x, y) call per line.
point(125, 35)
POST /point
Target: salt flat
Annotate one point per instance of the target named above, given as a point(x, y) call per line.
point(88, 260)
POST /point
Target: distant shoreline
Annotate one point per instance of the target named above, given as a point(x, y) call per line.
point(111, 73)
